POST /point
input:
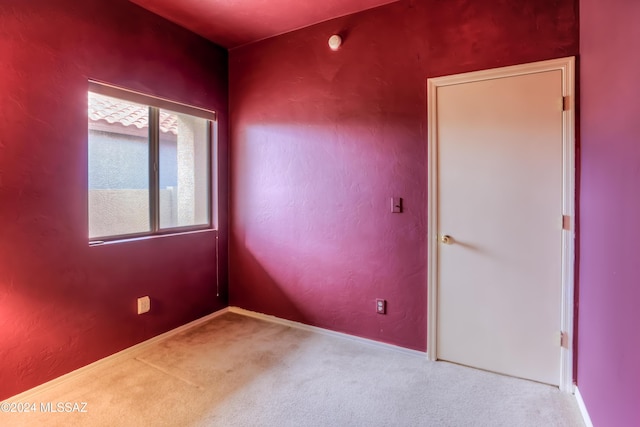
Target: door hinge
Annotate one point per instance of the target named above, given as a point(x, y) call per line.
point(564, 339)
point(566, 104)
point(566, 222)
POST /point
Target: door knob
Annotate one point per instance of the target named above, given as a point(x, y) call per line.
point(446, 239)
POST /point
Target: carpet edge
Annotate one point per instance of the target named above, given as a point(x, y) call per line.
point(323, 331)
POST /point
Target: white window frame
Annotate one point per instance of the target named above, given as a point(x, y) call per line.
point(155, 104)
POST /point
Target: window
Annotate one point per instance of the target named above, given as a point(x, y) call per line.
point(149, 165)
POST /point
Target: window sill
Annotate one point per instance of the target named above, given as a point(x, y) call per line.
point(150, 237)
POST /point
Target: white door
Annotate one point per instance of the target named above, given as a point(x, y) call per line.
point(500, 199)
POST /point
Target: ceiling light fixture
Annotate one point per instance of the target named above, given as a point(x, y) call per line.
point(335, 41)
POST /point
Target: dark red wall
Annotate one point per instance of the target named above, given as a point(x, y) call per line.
point(62, 303)
point(322, 140)
point(609, 339)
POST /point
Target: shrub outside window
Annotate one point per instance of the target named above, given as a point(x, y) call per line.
point(149, 165)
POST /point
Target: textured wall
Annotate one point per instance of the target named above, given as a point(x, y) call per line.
point(321, 140)
point(609, 341)
point(62, 303)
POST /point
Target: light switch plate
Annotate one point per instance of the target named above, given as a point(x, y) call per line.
point(396, 204)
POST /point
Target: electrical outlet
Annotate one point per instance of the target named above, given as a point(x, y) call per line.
point(381, 306)
point(144, 305)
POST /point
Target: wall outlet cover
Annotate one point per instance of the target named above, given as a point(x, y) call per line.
point(144, 304)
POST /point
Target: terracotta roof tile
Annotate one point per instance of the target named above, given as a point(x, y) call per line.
point(112, 110)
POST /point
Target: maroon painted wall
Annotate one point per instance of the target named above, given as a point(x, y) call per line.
point(62, 303)
point(609, 341)
point(322, 140)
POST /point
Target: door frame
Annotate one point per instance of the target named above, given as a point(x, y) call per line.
point(567, 67)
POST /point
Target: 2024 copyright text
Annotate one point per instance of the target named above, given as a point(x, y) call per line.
point(47, 407)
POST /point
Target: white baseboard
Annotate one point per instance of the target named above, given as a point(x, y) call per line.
point(583, 409)
point(127, 352)
point(298, 325)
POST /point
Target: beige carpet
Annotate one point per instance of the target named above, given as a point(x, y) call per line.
point(238, 371)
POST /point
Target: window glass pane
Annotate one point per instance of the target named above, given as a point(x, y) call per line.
point(118, 167)
point(183, 170)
